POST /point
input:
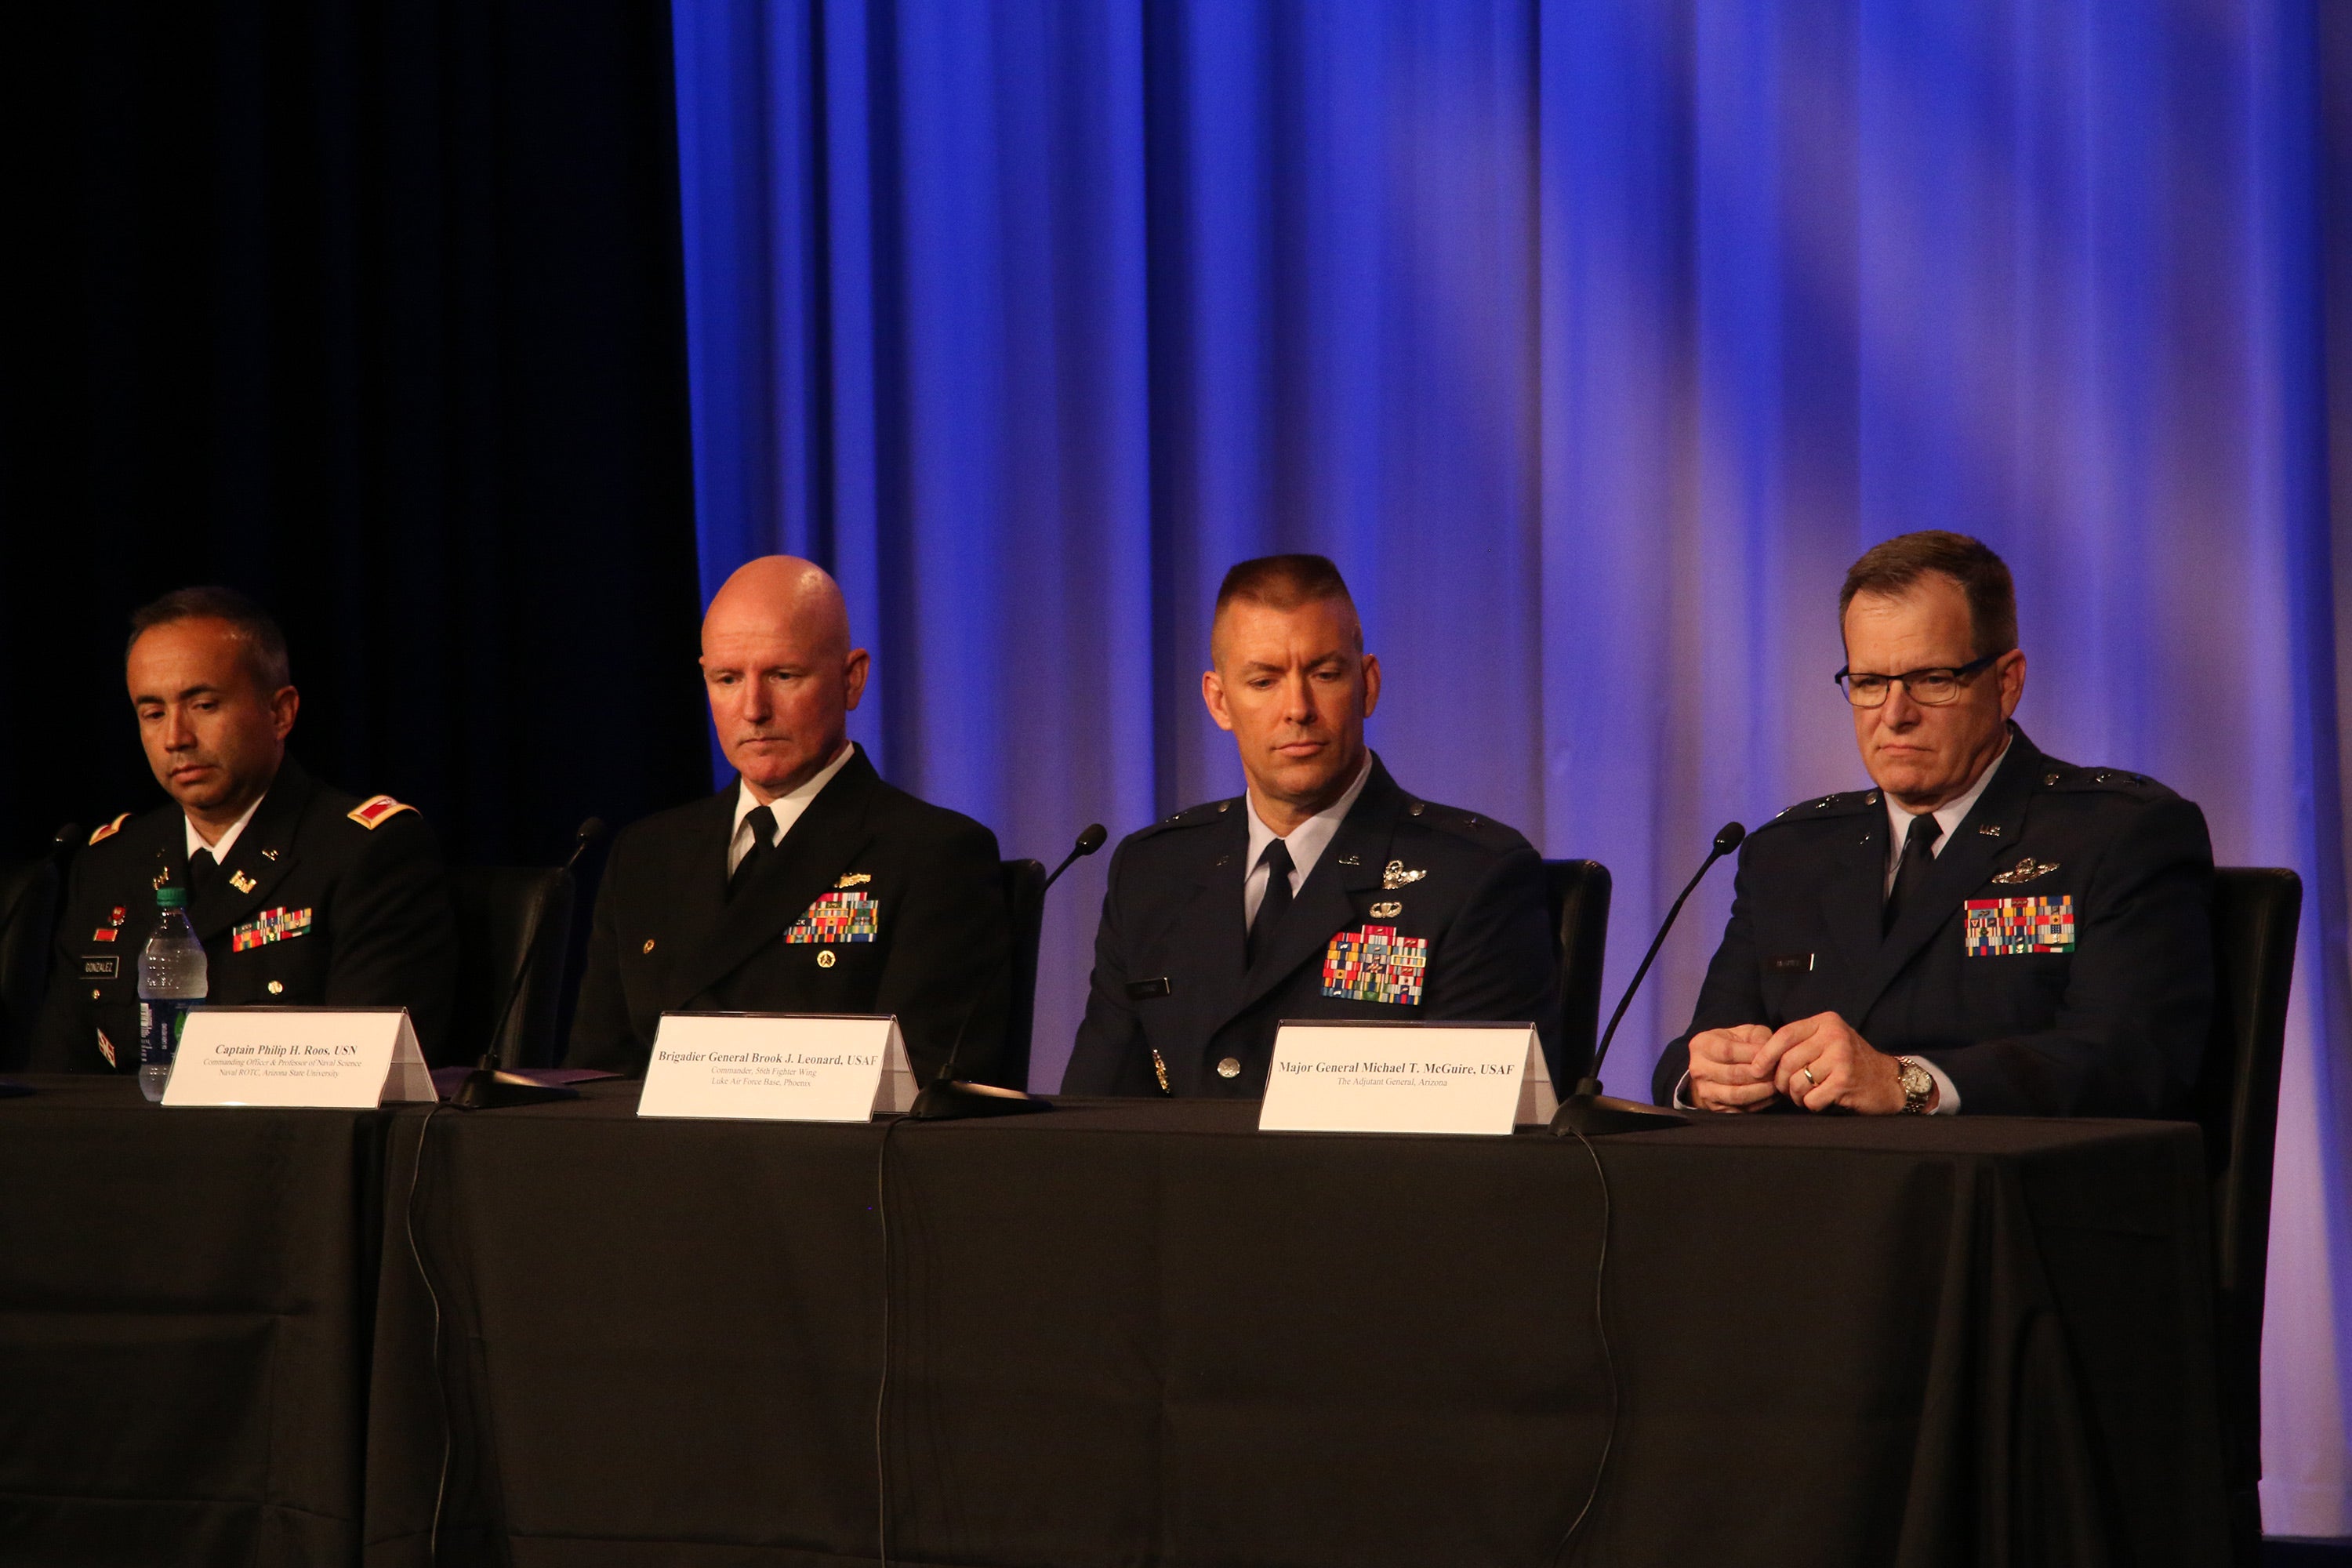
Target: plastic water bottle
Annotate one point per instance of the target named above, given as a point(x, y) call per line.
point(171, 976)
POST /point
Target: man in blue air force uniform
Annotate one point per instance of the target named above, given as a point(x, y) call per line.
point(1989, 930)
point(1326, 891)
point(808, 885)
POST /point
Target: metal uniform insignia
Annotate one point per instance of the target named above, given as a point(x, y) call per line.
point(2026, 870)
point(1350, 860)
point(854, 878)
point(1989, 830)
point(270, 854)
point(1159, 1071)
point(1395, 876)
point(1386, 911)
point(241, 882)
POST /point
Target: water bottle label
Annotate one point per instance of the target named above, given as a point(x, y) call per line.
point(160, 1027)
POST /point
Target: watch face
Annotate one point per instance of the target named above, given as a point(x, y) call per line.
point(1917, 1083)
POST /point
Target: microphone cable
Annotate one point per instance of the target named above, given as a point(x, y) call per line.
point(1608, 1357)
point(882, 1390)
point(440, 1384)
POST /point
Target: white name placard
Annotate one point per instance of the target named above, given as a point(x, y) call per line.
point(347, 1056)
point(777, 1066)
point(1406, 1078)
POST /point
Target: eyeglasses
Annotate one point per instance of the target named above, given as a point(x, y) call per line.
point(1931, 688)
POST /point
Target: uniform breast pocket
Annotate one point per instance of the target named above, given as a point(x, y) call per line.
point(1783, 979)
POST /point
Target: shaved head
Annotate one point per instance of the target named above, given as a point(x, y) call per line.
point(779, 670)
point(778, 594)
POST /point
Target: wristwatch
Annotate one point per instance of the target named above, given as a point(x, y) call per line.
point(1918, 1085)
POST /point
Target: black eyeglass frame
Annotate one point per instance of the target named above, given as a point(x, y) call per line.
point(1960, 674)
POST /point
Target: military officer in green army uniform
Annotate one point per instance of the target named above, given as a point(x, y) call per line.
point(303, 895)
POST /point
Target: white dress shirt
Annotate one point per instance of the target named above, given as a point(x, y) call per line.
point(220, 847)
point(1950, 815)
point(1306, 843)
point(787, 807)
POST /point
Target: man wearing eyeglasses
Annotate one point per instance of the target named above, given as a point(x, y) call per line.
point(1987, 930)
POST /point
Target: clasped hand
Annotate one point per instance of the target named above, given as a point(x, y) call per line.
point(1816, 1064)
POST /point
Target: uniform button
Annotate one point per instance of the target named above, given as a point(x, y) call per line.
point(649, 945)
point(277, 988)
point(825, 959)
point(2098, 778)
point(1230, 1067)
point(2049, 779)
point(94, 997)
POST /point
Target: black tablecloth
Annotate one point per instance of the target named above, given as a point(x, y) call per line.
point(1145, 1333)
point(185, 1311)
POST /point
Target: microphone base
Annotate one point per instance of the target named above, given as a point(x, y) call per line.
point(951, 1099)
point(1593, 1114)
point(487, 1091)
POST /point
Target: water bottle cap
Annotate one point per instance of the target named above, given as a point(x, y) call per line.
point(170, 897)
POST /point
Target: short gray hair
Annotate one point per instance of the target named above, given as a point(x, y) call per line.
point(265, 640)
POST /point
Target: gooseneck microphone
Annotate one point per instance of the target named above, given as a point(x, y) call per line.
point(1588, 1111)
point(488, 1088)
point(1088, 842)
point(950, 1099)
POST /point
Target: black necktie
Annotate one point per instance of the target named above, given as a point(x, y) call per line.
point(201, 867)
point(762, 823)
point(1277, 903)
point(1919, 856)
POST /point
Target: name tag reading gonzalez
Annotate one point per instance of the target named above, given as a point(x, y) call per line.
point(1406, 1078)
point(350, 1057)
point(777, 1066)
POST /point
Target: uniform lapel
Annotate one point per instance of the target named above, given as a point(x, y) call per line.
point(1854, 891)
point(1209, 924)
point(262, 856)
point(1959, 871)
point(829, 835)
point(1351, 862)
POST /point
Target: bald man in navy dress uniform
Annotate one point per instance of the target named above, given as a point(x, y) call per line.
point(1325, 892)
point(1987, 930)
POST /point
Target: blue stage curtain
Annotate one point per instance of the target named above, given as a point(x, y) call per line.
point(1593, 341)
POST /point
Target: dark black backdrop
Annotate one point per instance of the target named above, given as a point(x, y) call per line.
point(375, 312)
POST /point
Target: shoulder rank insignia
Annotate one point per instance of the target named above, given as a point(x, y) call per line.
point(376, 810)
point(1394, 875)
point(854, 878)
point(2026, 870)
point(111, 829)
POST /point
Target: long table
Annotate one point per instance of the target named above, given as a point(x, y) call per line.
point(187, 1328)
point(1129, 1333)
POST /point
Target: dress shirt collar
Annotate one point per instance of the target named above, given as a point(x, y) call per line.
point(787, 807)
point(1950, 814)
point(221, 845)
point(1305, 842)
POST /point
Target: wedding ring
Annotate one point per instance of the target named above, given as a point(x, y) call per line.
point(1811, 1081)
